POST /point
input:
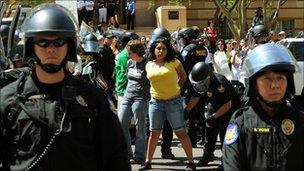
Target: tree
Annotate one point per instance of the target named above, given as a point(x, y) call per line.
point(12, 3)
point(227, 8)
point(171, 2)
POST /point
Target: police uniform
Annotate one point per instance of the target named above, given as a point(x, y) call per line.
point(255, 141)
point(90, 134)
point(108, 64)
point(220, 92)
point(11, 75)
point(191, 54)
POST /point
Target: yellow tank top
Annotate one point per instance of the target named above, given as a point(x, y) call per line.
point(163, 79)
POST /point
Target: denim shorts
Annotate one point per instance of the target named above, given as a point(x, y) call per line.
point(172, 109)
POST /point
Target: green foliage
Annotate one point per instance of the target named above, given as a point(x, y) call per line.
point(152, 3)
point(179, 2)
point(33, 2)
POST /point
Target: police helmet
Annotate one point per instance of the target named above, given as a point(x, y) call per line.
point(200, 77)
point(50, 19)
point(126, 37)
point(196, 31)
point(187, 33)
point(16, 53)
point(91, 43)
point(259, 30)
point(160, 32)
point(4, 30)
point(269, 57)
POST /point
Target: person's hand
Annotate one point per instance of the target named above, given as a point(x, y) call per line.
point(186, 114)
point(210, 120)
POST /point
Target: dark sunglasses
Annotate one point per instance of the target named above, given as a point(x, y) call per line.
point(44, 43)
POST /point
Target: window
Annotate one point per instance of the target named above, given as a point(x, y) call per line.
point(288, 27)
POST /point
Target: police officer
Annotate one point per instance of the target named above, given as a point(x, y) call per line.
point(267, 134)
point(215, 89)
point(16, 56)
point(92, 63)
point(51, 120)
point(19, 66)
point(108, 64)
point(192, 53)
point(4, 30)
point(259, 34)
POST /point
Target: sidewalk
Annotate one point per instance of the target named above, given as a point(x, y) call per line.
point(179, 163)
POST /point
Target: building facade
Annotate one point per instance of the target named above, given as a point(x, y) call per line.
point(291, 15)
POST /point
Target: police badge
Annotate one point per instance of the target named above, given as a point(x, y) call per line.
point(81, 101)
point(287, 126)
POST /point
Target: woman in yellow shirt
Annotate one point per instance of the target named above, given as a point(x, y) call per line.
point(166, 75)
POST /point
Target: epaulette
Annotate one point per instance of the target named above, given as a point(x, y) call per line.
point(240, 111)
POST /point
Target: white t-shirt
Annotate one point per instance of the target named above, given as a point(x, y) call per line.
point(220, 64)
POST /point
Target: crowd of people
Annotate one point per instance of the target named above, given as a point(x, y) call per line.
point(106, 11)
point(71, 103)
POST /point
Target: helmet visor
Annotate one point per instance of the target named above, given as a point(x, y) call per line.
point(200, 86)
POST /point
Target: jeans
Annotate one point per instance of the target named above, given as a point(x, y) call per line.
point(138, 109)
point(171, 109)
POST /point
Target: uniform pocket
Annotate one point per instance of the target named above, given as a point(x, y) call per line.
point(82, 124)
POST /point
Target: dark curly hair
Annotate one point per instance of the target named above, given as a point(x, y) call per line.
point(170, 56)
point(136, 47)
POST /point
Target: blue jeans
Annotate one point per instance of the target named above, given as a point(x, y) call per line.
point(138, 109)
point(172, 109)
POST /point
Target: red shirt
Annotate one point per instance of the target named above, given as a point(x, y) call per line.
point(212, 34)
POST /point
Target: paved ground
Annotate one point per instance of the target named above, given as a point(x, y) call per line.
point(179, 163)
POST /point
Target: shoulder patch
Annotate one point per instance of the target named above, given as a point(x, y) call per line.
point(232, 134)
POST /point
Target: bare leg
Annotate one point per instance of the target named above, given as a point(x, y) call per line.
point(152, 142)
point(186, 144)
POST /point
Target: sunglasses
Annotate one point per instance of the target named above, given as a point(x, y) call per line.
point(44, 43)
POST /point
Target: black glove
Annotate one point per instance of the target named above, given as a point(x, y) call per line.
point(186, 114)
point(210, 120)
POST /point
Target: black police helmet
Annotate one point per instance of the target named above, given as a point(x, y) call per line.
point(187, 33)
point(50, 19)
point(160, 32)
point(4, 30)
point(127, 37)
point(196, 31)
point(16, 53)
point(91, 43)
point(201, 76)
point(259, 30)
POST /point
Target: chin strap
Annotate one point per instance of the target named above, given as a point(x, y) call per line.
point(51, 68)
point(274, 104)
